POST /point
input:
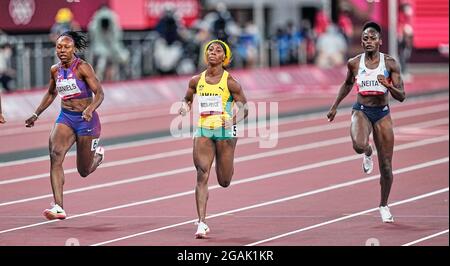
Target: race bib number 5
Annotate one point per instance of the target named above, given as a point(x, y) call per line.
point(94, 144)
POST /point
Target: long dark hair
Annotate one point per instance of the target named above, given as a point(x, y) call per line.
point(79, 39)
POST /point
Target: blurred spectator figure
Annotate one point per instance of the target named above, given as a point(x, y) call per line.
point(247, 46)
point(308, 43)
point(282, 43)
point(202, 37)
point(345, 24)
point(169, 45)
point(3, 37)
point(189, 59)
point(443, 49)
point(107, 48)
point(331, 48)
point(405, 35)
point(219, 26)
point(6, 71)
point(295, 39)
point(321, 22)
point(168, 26)
point(64, 21)
point(223, 26)
point(289, 42)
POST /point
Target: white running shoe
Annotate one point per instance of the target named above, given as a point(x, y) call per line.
point(386, 215)
point(367, 163)
point(202, 230)
point(56, 212)
point(100, 151)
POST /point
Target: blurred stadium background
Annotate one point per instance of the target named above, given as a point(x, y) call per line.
point(134, 43)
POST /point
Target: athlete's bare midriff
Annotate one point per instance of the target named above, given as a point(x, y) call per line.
point(373, 100)
point(76, 105)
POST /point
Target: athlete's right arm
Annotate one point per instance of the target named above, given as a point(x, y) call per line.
point(186, 103)
point(345, 88)
point(48, 98)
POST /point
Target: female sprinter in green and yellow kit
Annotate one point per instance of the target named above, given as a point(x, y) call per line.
point(216, 135)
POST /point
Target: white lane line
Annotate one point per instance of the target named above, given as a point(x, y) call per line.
point(281, 121)
point(111, 117)
point(347, 217)
point(317, 191)
point(286, 134)
point(106, 119)
point(237, 160)
point(186, 169)
point(140, 143)
point(243, 181)
point(425, 238)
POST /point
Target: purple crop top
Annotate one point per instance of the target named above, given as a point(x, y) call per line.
point(69, 86)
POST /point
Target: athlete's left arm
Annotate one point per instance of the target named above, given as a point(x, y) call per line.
point(396, 86)
point(239, 98)
point(88, 75)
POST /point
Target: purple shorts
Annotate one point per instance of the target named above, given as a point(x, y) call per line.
point(80, 126)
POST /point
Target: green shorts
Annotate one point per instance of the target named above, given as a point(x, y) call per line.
point(216, 134)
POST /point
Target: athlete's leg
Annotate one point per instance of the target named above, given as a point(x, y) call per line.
point(360, 130)
point(87, 159)
point(203, 153)
point(62, 138)
point(383, 135)
point(225, 160)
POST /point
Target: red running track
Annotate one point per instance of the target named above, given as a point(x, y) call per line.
point(307, 190)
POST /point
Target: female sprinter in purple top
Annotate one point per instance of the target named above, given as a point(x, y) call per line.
point(75, 81)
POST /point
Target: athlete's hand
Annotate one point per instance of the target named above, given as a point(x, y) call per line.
point(2, 119)
point(382, 79)
point(184, 109)
point(227, 123)
point(331, 114)
point(30, 121)
point(87, 114)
